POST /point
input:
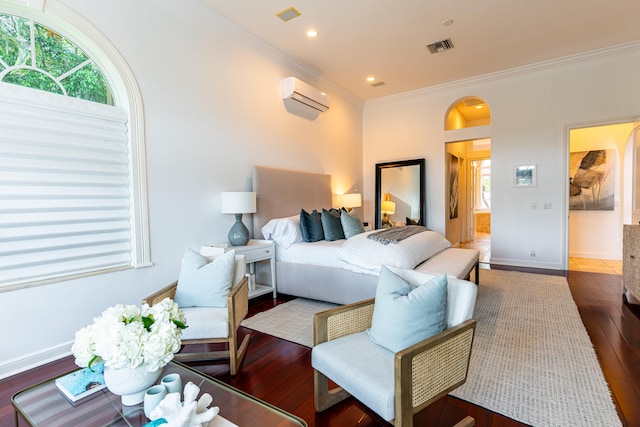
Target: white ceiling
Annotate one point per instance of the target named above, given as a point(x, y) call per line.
point(388, 38)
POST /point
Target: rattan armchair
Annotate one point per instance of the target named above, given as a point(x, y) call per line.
point(197, 317)
point(422, 373)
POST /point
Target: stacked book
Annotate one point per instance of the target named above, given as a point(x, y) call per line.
point(84, 382)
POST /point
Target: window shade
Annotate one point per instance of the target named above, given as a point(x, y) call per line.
point(65, 186)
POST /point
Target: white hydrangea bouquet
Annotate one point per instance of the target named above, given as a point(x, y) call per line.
point(127, 336)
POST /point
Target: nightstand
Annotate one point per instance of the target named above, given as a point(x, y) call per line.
point(254, 251)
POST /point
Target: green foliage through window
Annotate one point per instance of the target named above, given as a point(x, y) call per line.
point(35, 56)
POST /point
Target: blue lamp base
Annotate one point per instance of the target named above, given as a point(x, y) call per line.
point(239, 234)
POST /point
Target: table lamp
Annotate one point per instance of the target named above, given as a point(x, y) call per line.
point(351, 200)
point(388, 208)
point(238, 203)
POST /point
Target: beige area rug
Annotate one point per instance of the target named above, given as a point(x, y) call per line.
point(292, 321)
point(532, 358)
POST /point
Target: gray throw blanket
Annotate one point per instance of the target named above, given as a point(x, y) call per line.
point(396, 234)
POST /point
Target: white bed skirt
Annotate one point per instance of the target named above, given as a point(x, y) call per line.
point(320, 283)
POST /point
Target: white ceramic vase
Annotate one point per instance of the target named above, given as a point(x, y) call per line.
point(130, 384)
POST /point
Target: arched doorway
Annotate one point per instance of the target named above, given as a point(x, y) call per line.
point(468, 174)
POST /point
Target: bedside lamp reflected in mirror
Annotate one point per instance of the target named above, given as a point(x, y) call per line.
point(388, 208)
point(238, 203)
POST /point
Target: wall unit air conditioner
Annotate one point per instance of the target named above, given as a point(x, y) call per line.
point(298, 93)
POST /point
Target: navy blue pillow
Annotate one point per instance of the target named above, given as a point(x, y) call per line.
point(311, 226)
point(332, 225)
point(411, 221)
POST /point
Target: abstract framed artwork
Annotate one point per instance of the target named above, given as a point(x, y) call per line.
point(453, 186)
point(592, 180)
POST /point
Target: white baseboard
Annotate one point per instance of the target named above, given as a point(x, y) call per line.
point(33, 360)
point(529, 264)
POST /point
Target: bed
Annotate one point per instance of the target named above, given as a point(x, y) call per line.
point(283, 193)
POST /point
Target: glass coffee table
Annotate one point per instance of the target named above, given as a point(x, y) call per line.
point(43, 405)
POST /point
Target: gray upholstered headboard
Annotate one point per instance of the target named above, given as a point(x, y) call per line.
point(281, 193)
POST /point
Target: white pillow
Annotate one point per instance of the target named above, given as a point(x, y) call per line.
point(408, 253)
point(284, 231)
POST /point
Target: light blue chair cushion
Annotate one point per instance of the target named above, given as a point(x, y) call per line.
point(351, 223)
point(205, 283)
point(362, 368)
point(403, 314)
point(331, 225)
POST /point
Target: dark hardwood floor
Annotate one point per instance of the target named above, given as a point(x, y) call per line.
point(280, 372)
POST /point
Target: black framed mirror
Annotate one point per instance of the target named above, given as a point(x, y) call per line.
point(400, 193)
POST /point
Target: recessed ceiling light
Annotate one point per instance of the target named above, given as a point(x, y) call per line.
point(371, 79)
point(288, 14)
point(446, 22)
point(312, 34)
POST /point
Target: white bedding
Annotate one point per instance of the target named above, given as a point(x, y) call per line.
point(408, 253)
point(317, 253)
point(363, 255)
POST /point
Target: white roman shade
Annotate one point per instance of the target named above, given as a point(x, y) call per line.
point(65, 187)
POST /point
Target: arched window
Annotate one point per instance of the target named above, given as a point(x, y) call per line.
point(72, 175)
point(35, 56)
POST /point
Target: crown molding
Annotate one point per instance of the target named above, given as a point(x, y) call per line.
point(621, 49)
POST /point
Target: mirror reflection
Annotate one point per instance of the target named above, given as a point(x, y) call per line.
point(400, 193)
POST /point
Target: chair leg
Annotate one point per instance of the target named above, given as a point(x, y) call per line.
point(466, 422)
point(236, 355)
point(323, 397)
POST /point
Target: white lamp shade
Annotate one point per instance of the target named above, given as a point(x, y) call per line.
point(352, 200)
point(236, 202)
point(388, 207)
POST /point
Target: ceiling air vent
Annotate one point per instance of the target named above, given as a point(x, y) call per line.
point(377, 84)
point(440, 46)
point(288, 14)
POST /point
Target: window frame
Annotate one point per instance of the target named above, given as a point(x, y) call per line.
point(478, 187)
point(126, 95)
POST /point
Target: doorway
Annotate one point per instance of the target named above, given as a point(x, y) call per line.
point(468, 175)
point(597, 196)
point(468, 216)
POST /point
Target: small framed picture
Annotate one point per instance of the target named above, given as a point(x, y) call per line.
point(524, 175)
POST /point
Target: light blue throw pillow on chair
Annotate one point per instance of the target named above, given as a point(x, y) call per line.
point(404, 315)
point(205, 283)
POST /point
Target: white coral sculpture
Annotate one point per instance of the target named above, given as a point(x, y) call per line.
point(193, 413)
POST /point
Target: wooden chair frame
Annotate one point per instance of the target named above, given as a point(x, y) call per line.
point(424, 372)
point(238, 306)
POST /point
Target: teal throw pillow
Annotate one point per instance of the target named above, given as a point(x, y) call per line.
point(311, 226)
point(205, 283)
point(404, 315)
point(331, 225)
point(351, 223)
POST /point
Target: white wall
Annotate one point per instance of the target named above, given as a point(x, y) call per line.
point(531, 110)
point(213, 109)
